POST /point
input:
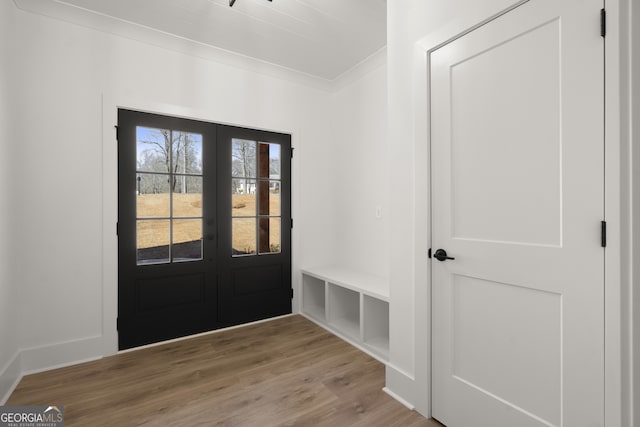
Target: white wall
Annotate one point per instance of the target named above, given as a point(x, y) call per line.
point(359, 166)
point(8, 287)
point(59, 205)
point(65, 73)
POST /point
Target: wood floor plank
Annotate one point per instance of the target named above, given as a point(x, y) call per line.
point(285, 372)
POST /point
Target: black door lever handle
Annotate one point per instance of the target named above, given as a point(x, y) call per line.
point(441, 255)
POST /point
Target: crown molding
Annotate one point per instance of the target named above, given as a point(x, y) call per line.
point(369, 64)
point(66, 12)
point(86, 18)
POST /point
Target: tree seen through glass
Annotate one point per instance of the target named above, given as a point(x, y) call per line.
point(169, 195)
point(255, 167)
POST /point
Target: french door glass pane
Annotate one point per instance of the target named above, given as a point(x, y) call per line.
point(243, 236)
point(152, 241)
point(169, 186)
point(255, 202)
point(269, 198)
point(152, 200)
point(187, 239)
point(269, 235)
point(186, 153)
point(152, 149)
point(243, 158)
point(269, 161)
point(243, 197)
point(187, 196)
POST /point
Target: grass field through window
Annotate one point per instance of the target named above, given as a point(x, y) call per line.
point(154, 233)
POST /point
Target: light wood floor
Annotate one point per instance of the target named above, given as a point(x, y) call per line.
point(286, 372)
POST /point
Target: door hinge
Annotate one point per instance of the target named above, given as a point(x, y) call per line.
point(429, 253)
point(292, 223)
point(603, 234)
point(117, 323)
point(117, 228)
point(291, 293)
point(292, 152)
point(603, 22)
point(117, 133)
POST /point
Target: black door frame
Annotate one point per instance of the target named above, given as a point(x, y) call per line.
point(214, 303)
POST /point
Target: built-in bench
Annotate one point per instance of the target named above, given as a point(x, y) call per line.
point(350, 304)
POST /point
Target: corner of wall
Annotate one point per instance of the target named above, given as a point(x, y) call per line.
point(9, 361)
point(357, 72)
point(54, 356)
point(44, 358)
point(10, 376)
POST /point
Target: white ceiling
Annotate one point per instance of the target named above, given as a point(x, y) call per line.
point(322, 38)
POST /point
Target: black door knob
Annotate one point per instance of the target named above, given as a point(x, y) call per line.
point(441, 255)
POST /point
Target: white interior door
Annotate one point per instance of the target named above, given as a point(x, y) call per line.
point(517, 144)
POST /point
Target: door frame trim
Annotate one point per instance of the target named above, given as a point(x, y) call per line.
point(618, 282)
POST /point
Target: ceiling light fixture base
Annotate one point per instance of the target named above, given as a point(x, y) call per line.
point(232, 2)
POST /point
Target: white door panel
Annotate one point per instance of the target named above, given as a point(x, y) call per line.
point(516, 144)
point(517, 194)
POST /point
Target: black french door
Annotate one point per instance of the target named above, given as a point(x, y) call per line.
point(204, 226)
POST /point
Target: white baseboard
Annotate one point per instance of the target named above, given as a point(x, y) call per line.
point(10, 376)
point(47, 357)
point(401, 386)
point(38, 359)
point(398, 398)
